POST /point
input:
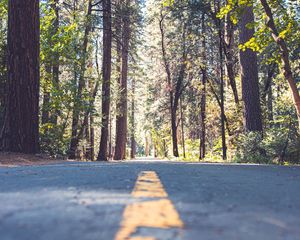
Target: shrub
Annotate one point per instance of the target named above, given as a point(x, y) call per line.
point(250, 149)
point(278, 145)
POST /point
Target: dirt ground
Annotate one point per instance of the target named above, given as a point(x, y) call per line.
point(18, 159)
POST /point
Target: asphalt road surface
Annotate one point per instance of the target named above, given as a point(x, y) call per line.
point(149, 200)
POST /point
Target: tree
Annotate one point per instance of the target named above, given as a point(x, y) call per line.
point(133, 125)
point(284, 53)
point(106, 74)
point(81, 84)
point(3, 57)
point(121, 122)
point(229, 56)
point(20, 131)
point(203, 93)
point(249, 74)
point(175, 81)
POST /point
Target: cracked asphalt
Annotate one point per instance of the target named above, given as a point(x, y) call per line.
point(85, 201)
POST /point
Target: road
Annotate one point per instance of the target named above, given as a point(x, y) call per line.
point(149, 200)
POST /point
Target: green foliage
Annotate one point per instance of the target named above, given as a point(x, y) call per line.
point(191, 150)
point(279, 145)
point(280, 142)
point(53, 139)
point(286, 21)
point(3, 9)
point(168, 3)
point(250, 149)
point(161, 140)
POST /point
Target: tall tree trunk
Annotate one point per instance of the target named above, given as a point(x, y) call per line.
point(175, 85)
point(118, 29)
point(249, 75)
point(223, 133)
point(110, 150)
point(147, 146)
point(106, 75)
point(174, 132)
point(214, 92)
point(203, 94)
point(267, 95)
point(270, 104)
point(229, 56)
point(177, 95)
point(55, 62)
point(20, 132)
point(170, 86)
point(3, 80)
point(87, 137)
point(92, 137)
point(133, 143)
point(182, 129)
point(286, 67)
point(81, 84)
point(87, 128)
point(203, 115)
point(121, 123)
point(165, 148)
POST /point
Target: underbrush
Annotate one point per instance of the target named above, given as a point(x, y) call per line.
point(275, 146)
point(53, 140)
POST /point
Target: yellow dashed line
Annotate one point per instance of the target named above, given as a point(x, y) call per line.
point(149, 185)
point(156, 213)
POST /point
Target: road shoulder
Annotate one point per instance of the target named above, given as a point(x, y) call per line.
point(18, 159)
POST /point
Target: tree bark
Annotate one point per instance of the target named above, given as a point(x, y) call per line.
point(3, 79)
point(133, 142)
point(118, 29)
point(249, 75)
point(110, 150)
point(229, 57)
point(203, 115)
point(20, 132)
point(92, 137)
point(267, 95)
point(147, 146)
point(270, 104)
point(177, 95)
point(121, 122)
point(175, 85)
point(170, 86)
point(182, 129)
point(203, 94)
point(106, 75)
point(223, 134)
point(286, 67)
point(214, 92)
point(55, 62)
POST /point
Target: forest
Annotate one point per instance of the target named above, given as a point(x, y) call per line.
point(192, 80)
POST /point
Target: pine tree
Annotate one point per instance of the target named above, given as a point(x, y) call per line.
point(20, 132)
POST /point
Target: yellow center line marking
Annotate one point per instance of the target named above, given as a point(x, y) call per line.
point(149, 185)
point(156, 213)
